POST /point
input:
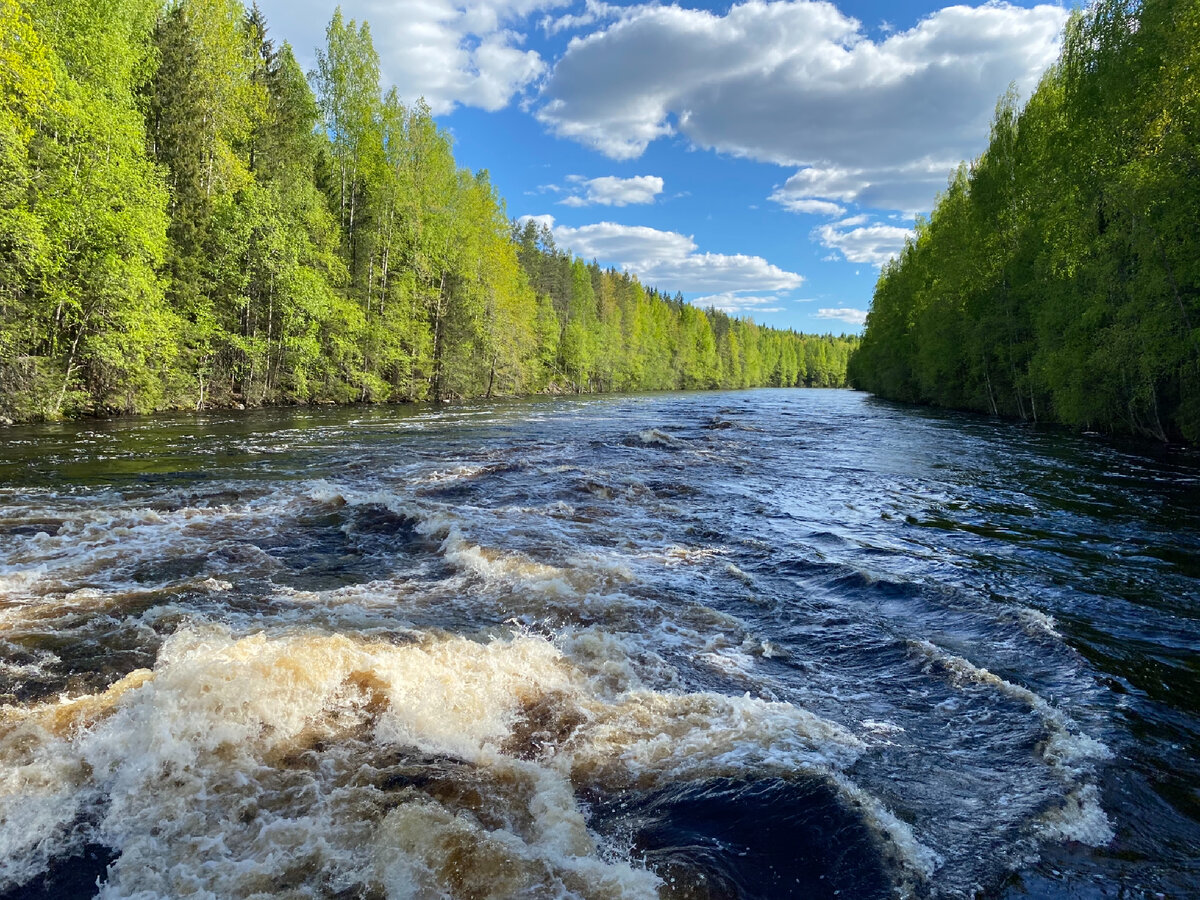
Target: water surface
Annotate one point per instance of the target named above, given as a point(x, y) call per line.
point(752, 644)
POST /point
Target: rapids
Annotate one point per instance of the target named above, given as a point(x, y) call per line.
point(758, 644)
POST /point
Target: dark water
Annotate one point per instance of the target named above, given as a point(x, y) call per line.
point(757, 644)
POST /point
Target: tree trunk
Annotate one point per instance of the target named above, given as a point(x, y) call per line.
point(987, 378)
point(437, 341)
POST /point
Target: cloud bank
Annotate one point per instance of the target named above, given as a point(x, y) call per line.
point(799, 84)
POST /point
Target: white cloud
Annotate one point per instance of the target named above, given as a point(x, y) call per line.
point(843, 314)
point(829, 181)
point(610, 190)
point(671, 261)
point(911, 186)
point(542, 221)
point(628, 245)
point(594, 11)
point(877, 122)
point(451, 52)
point(808, 205)
point(874, 244)
point(738, 304)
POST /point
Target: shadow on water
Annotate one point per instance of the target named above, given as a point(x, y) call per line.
point(761, 840)
point(68, 878)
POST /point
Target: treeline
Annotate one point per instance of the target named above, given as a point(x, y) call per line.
point(185, 222)
point(1059, 276)
point(604, 331)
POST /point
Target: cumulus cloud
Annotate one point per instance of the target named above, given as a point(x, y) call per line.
point(669, 260)
point(910, 186)
point(877, 122)
point(808, 205)
point(844, 314)
point(610, 190)
point(738, 304)
point(594, 11)
point(874, 244)
point(451, 52)
point(542, 221)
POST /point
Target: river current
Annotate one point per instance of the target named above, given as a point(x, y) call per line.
point(760, 644)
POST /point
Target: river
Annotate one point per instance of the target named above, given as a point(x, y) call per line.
point(770, 644)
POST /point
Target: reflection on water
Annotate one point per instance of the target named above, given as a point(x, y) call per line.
point(754, 644)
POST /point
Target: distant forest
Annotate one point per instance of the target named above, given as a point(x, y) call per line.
point(187, 220)
point(1058, 278)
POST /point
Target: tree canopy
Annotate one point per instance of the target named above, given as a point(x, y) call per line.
point(188, 220)
point(1058, 278)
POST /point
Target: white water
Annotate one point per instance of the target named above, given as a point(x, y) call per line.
point(458, 655)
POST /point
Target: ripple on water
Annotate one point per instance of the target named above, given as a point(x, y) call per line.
point(763, 644)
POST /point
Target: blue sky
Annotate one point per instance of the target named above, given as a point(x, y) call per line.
point(764, 158)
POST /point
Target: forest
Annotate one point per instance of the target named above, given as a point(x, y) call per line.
point(1058, 278)
point(188, 220)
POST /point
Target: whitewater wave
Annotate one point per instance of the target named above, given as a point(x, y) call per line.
point(1066, 749)
point(433, 768)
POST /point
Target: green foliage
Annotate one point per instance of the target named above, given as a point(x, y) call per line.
point(1059, 277)
point(83, 322)
point(600, 330)
point(184, 224)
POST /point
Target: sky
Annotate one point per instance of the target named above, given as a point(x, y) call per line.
point(762, 158)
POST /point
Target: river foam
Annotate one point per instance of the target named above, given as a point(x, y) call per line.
point(417, 769)
point(619, 655)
